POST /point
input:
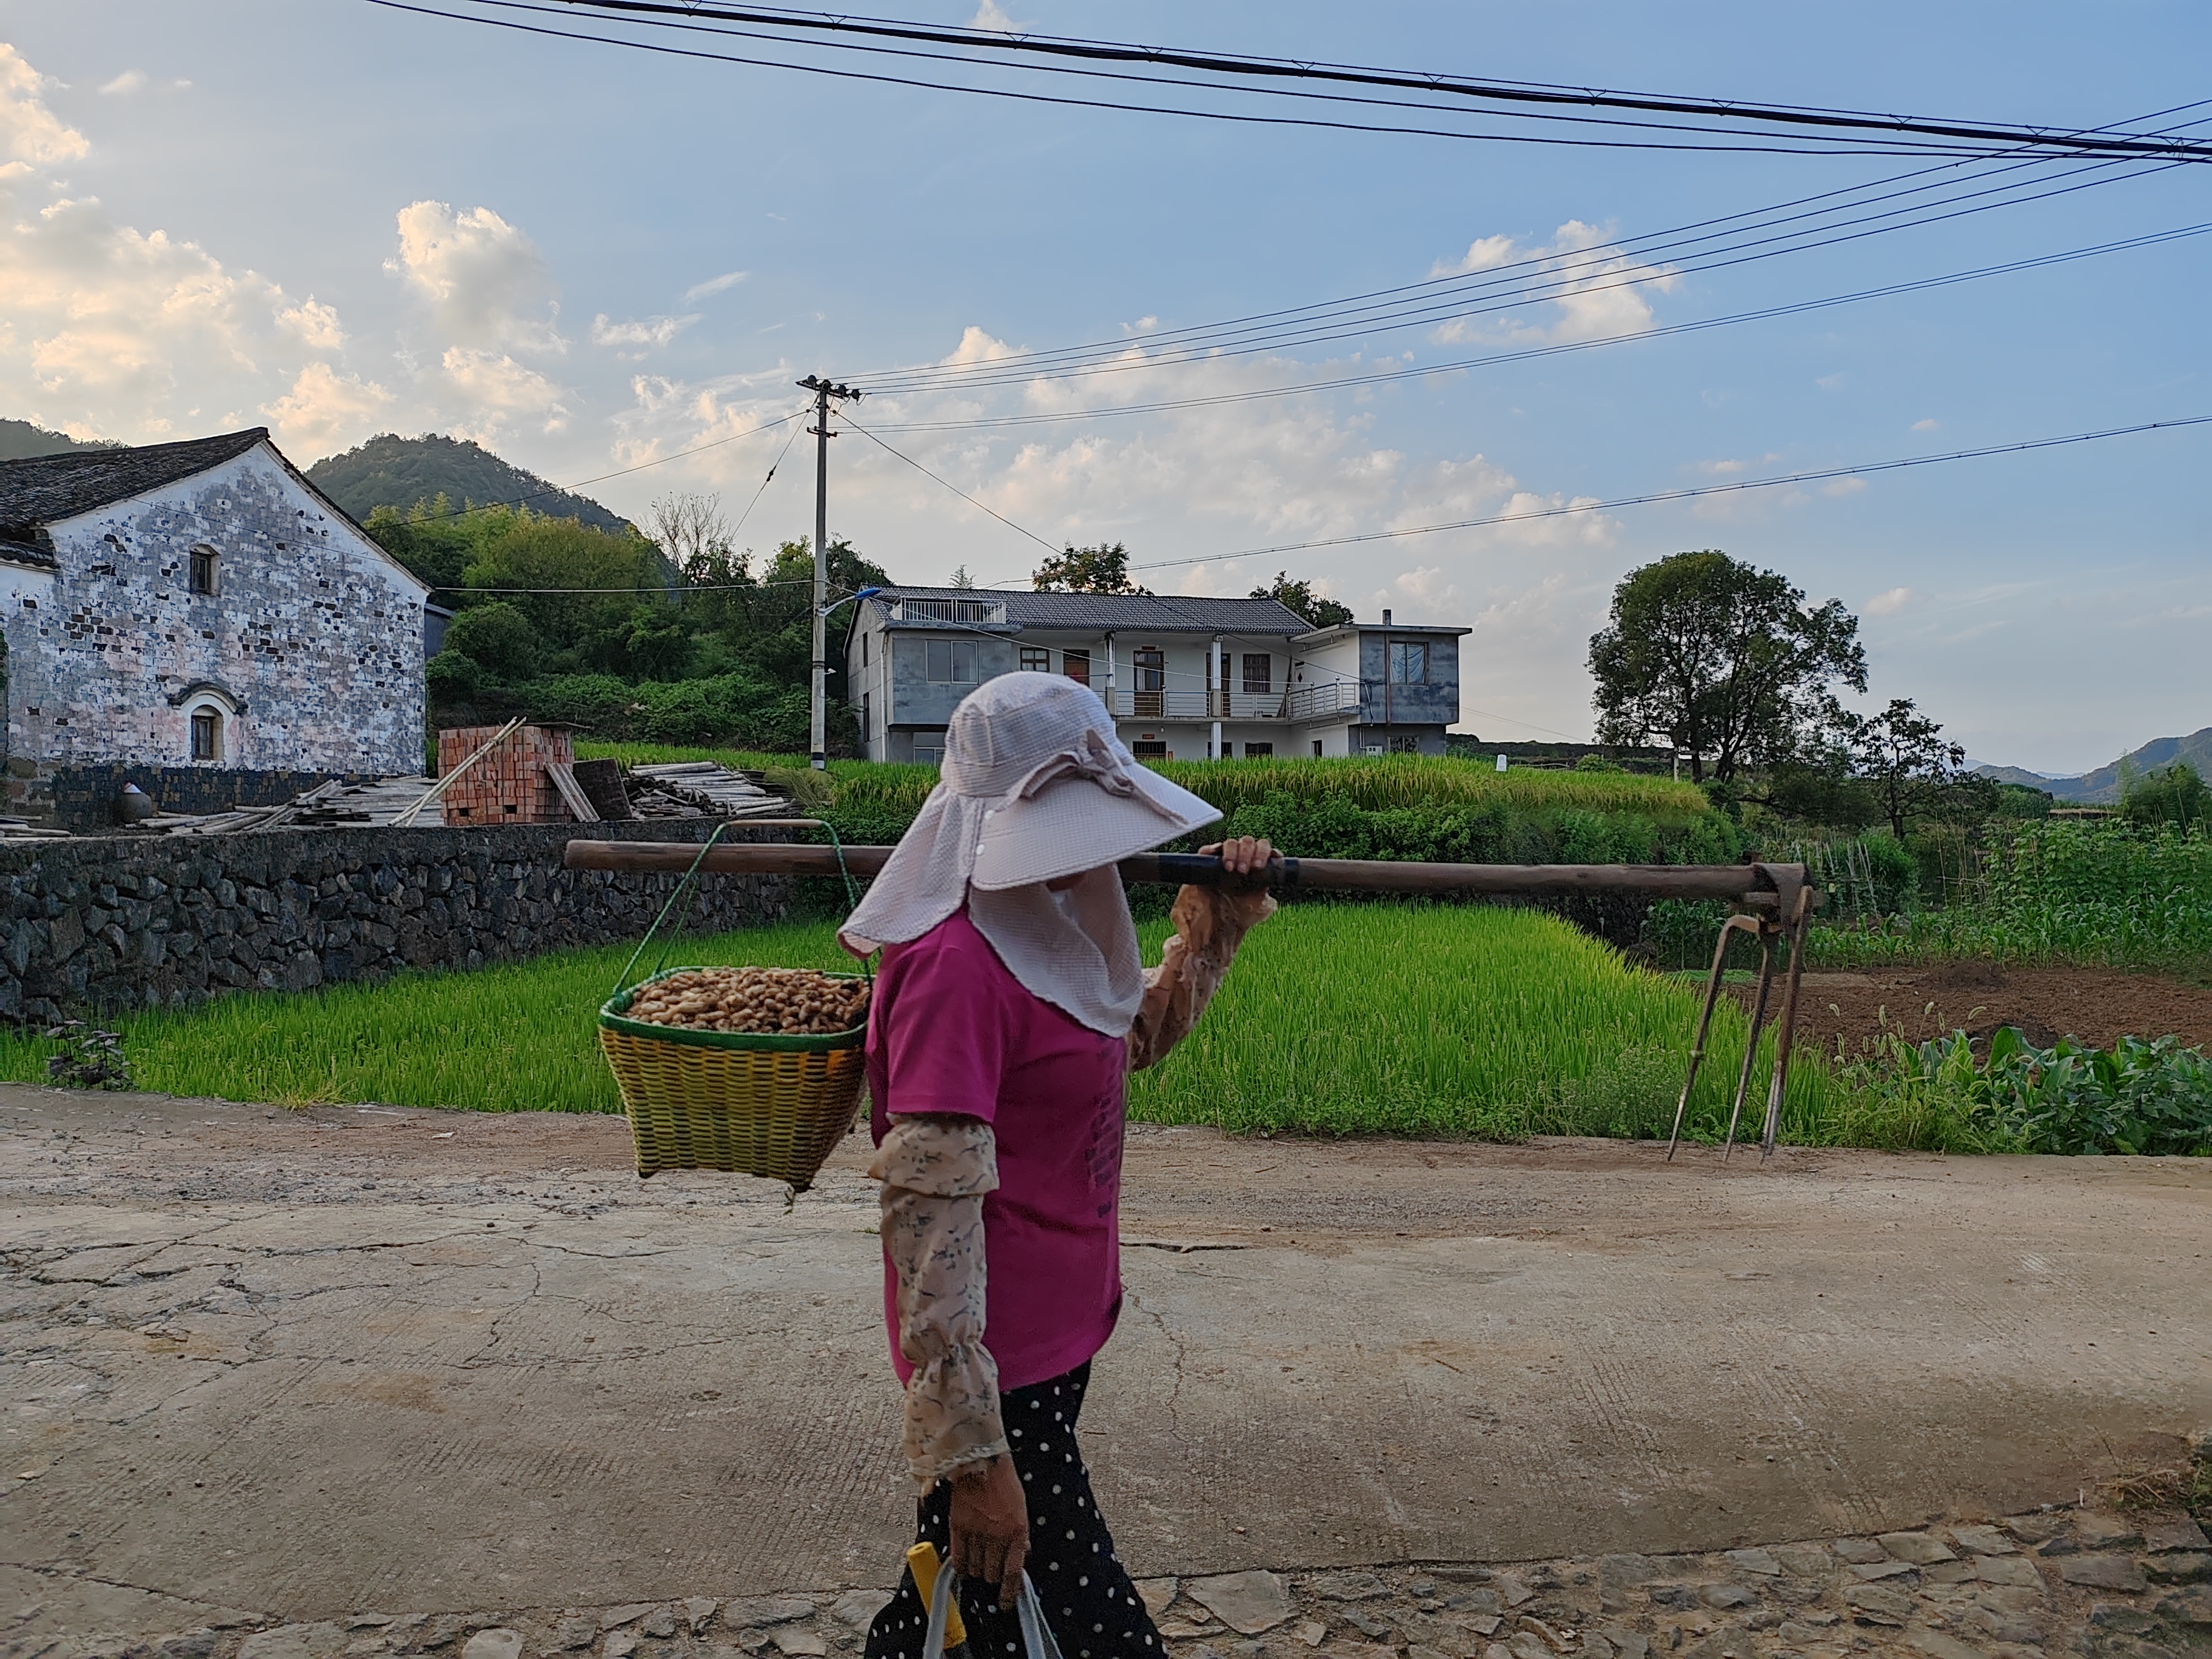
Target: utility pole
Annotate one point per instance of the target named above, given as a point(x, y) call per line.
point(824, 390)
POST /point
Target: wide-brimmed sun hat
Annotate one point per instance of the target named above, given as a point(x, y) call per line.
point(1062, 795)
point(1034, 786)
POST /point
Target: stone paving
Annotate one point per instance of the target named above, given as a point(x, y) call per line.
point(2075, 1583)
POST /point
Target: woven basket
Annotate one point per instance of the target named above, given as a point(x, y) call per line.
point(749, 1102)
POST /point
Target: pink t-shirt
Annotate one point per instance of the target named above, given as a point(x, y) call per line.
point(951, 1030)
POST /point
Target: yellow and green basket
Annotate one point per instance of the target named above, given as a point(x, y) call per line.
point(758, 1104)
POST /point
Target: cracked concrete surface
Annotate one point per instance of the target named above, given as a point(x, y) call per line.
point(302, 1364)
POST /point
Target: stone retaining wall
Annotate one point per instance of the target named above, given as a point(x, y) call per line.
point(81, 798)
point(100, 926)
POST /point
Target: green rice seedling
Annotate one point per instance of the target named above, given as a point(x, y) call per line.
point(517, 1036)
point(1471, 1021)
point(1394, 1019)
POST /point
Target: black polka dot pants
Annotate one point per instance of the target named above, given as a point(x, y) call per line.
point(1094, 1610)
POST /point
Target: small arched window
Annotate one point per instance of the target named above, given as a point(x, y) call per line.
point(207, 723)
point(206, 576)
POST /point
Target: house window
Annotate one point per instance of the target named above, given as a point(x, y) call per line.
point(206, 734)
point(1259, 671)
point(206, 574)
point(1409, 662)
point(951, 662)
point(1405, 745)
point(1151, 663)
point(1317, 748)
point(1258, 751)
point(929, 748)
point(1076, 664)
point(1036, 659)
point(1149, 749)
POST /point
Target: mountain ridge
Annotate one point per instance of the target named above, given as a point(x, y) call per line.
point(2101, 786)
point(390, 471)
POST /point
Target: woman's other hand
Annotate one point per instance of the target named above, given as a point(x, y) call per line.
point(1242, 856)
point(990, 1525)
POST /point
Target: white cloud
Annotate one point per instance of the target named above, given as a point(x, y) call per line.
point(728, 279)
point(1888, 604)
point(326, 411)
point(1598, 292)
point(1484, 253)
point(130, 81)
point(1829, 382)
point(315, 324)
point(497, 395)
point(486, 282)
point(640, 333)
point(1926, 426)
point(1840, 486)
point(990, 16)
point(30, 133)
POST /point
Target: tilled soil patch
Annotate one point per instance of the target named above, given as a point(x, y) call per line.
point(2096, 1005)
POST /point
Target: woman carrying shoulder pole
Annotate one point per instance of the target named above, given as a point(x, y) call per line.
point(1010, 1005)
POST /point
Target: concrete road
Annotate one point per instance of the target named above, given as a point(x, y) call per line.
point(310, 1363)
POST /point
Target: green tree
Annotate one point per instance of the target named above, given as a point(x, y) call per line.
point(498, 638)
point(1724, 661)
point(1100, 569)
point(1901, 755)
point(1300, 597)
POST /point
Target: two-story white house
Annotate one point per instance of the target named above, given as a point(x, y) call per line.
point(1186, 679)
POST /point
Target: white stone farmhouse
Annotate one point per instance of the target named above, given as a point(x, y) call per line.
point(199, 617)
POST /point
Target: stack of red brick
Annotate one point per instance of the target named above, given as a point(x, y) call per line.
point(510, 784)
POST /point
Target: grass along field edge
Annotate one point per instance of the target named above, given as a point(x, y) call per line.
point(1382, 1020)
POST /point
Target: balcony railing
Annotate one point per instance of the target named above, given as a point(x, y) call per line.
point(1301, 703)
point(1310, 702)
point(949, 611)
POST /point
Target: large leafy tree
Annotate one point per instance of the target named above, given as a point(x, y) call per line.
point(1100, 569)
point(1300, 597)
point(1724, 661)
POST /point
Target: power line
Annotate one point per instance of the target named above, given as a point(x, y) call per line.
point(1864, 147)
point(1537, 93)
point(1646, 247)
point(1663, 495)
point(954, 488)
point(1538, 291)
point(1557, 349)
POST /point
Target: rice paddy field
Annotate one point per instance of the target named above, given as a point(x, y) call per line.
point(1372, 1020)
point(1375, 784)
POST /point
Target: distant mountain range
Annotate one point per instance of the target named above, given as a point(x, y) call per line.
point(20, 441)
point(397, 472)
point(2102, 787)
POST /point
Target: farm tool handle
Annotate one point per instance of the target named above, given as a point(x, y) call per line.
point(1766, 886)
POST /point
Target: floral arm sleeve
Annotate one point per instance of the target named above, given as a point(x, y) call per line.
point(1210, 924)
point(935, 1171)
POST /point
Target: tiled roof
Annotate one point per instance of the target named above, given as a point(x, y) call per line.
point(1123, 612)
point(49, 488)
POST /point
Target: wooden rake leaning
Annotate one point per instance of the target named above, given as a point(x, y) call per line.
point(1792, 915)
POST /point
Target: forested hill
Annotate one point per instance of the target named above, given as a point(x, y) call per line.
point(397, 472)
point(20, 441)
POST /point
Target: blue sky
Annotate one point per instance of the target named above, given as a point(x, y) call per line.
point(337, 219)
